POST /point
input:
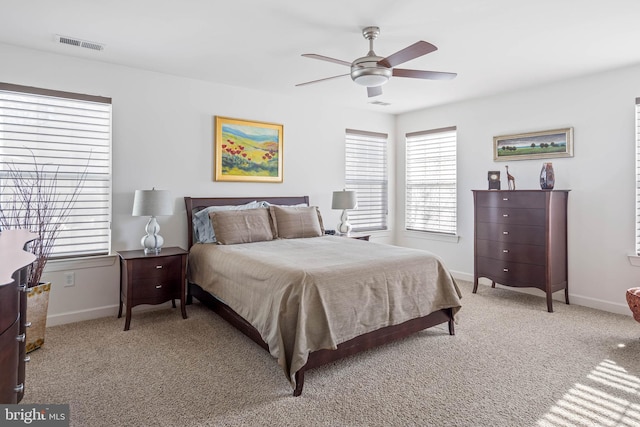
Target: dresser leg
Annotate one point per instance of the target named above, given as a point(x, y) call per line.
point(493, 284)
point(120, 309)
point(173, 303)
point(475, 284)
point(549, 303)
point(566, 294)
point(127, 321)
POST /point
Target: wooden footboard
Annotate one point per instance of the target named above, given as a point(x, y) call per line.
point(347, 348)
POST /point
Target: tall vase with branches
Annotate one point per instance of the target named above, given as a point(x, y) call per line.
point(41, 201)
point(40, 204)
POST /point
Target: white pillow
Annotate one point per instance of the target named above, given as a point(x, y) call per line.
point(202, 228)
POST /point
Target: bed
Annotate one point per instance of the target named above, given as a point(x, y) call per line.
point(306, 297)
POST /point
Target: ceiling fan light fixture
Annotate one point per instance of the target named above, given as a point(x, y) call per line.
point(370, 80)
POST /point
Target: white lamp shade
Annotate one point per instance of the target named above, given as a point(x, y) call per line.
point(344, 200)
point(152, 203)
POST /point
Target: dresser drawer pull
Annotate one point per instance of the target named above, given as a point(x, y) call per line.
point(20, 338)
point(505, 251)
point(505, 232)
point(19, 388)
point(27, 359)
point(505, 215)
point(158, 266)
point(23, 288)
point(158, 286)
point(506, 270)
point(505, 199)
point(27, 325)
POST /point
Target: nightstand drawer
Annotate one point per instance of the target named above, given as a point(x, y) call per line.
point(155, 290)
point(157, 268)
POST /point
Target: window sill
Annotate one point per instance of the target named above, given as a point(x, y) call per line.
point(634, 260)
point(432, 236)
point(80, 262)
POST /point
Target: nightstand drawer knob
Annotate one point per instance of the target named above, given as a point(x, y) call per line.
point(505, 215)
point(506, 270)
point(19, 388)
point(505, 251)
point(505, 232)
point(21, 337)
point(27, 359)
point(27, 325)
point(158, 266)
point(158, 286)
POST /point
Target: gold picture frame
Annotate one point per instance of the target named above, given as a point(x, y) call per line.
point(247, 151)
point(534, 145)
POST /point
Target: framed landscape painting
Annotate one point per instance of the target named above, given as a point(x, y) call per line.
point(247, 150)
point(534, 145)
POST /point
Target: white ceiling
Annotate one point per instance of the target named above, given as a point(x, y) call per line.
point(493, 45)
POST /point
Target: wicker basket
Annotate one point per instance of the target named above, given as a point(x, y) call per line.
point(633, 299)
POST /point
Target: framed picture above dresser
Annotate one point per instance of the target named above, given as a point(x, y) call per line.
point(520, 239)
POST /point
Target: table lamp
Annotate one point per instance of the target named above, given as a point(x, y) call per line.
point(344, 200)
point(152, 203)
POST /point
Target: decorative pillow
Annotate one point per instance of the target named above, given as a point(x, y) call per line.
point(296, 222)
point(202, 230)
point(242, 226)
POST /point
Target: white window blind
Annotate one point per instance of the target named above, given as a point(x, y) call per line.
point(366, 174)
point(638, 176)
point(430, 203)
point(63, 135)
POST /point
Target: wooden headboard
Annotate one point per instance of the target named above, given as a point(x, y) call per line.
point(194, 204)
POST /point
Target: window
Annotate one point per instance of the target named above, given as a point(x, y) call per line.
point(430, 203)
point(62, 134)
point(366, 174)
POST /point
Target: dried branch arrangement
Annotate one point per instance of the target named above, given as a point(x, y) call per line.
point(38, 204)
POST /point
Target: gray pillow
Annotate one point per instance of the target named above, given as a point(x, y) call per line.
point(202, 229)
point(244, 226)
point(296, 222)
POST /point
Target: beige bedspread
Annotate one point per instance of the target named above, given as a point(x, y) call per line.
point(308, 294)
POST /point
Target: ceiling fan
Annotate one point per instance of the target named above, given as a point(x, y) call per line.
point(373, 71)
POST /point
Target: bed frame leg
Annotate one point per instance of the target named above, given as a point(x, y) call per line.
point(299, 383)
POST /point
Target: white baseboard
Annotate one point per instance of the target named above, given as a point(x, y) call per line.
point(598, 304)
point(100, 312)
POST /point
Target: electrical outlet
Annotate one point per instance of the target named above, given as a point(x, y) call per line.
point(69, 279)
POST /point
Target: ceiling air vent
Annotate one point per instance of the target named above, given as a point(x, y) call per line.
point(80, 43)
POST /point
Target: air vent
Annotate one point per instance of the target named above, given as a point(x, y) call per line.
point(80, 43)
point(384, 104)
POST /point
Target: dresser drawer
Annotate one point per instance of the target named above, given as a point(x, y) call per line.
point(9, 351)
point(532, 235)
point(157, 268)
point(513, 199)
point(513, 252)
point(511, 273)
point(9, 305)
point(509, 215)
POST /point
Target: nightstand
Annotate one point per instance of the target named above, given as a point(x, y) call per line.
point(152, 279)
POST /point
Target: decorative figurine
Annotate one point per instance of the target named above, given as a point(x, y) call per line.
point(511, 180)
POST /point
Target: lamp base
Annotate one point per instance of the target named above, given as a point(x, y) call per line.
point(344, 227)
point(152, 242)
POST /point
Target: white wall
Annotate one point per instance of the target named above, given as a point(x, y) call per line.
point(163, 138)
point(601, 175)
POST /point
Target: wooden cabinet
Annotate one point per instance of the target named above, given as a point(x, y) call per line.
point(152, 279)
point(521, 239)
point(13, 320)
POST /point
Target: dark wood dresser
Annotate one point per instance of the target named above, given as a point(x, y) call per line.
point(521, 239)
point(13, 312)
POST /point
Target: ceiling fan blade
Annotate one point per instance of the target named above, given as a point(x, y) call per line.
point(321, 80)
point(419, 74)
point(374, 91)
point(326, 58)
point(408, 53)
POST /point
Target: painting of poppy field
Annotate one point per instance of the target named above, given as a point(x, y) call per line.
point(247, 150)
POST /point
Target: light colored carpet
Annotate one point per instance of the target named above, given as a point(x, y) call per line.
point(510, 364)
